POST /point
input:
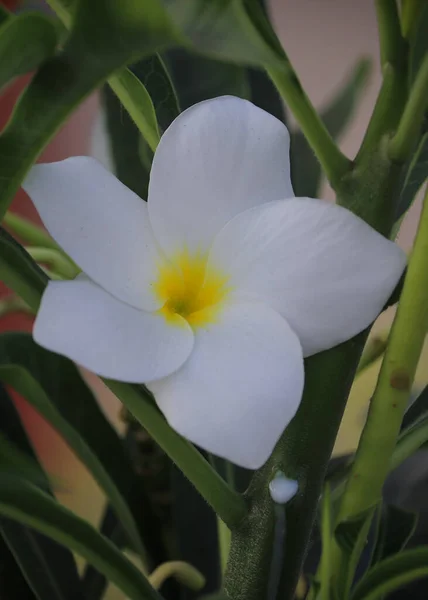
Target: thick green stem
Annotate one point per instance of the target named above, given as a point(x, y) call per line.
point(372, 460)
point(334, 163)
point(410, 124)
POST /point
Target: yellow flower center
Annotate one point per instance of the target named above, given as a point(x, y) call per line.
point(189, 289)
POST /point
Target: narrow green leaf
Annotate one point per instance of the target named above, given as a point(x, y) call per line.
point(351, 535)
point(306, 172)
point(25, 42)
point(32, 507)
point(396, 527)
point(415, 175)
point(326, 540)
point(410, 441)
point(48, 567)
point(154, 74)
point(417, 411)
point(392, 573)
point(54, 387)
point(124, 143)
point(14, 461)
point(137, 102)
point(19, 271)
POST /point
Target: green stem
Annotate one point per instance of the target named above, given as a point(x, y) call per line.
point(13, 304)
point(389, 402)
point(28, 232)
point(390, 38)
point(56, 260)
point(393, 93)
point(224, 537)
point(409, 128)
point(181, 571)
point(334, 163)
point(229, 505)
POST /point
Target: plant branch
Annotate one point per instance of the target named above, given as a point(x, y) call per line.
point(393, 93)
point(334, 163)
point(390, 38)
point(409, 127)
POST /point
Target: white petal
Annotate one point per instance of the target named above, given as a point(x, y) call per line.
point(240, 387)
point(324, 269)
point(83, 322)
point(218, 158)
point(100, 223)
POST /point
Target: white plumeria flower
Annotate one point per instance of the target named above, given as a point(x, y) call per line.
point(212, 292)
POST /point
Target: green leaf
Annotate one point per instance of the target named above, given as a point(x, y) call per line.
point(306, 171)
point(410, 441)
point(53, 385)
point(21, 501)
point(124, 143)
point(14, 461)
point(417, 411)
point(265, 95)
point(154, 74)
point(351, 535)
point(392, 573)
point(25, 42)
point(137, 102)
point(197, 78)
point(106, 36)
point(49, 568)
point(19, 271)
point(233, 30)
point(396, 527)
point(414, 176)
